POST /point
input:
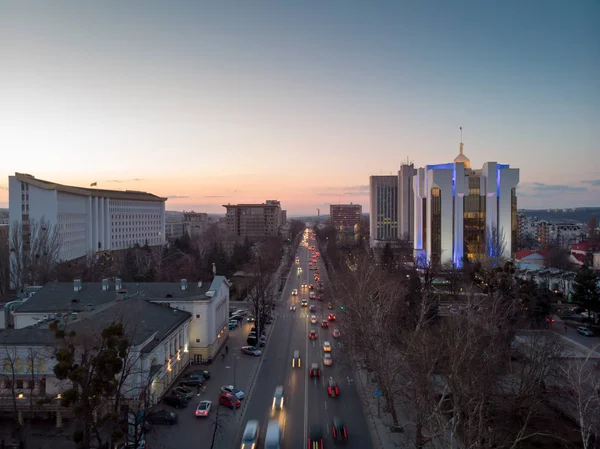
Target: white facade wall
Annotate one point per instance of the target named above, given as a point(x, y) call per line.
point(88, 224)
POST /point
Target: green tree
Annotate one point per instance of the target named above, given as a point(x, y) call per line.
point(92, 364)
point(585, 289)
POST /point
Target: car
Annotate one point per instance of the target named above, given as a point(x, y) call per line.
point(232, 325)
point(203, 409)
point(185, 392)
point(320, 297)
point(292, 308)
point(327, 360)
point(198, 372)
point(230, 389)
point(324, 323)
point(278, 398)
point(296, 360)
point(313, 319)
point(236, 318)
point(250, 435)
point(315, 371)
point(161, 417)
point(331, 317)
point(338, 429)
point(585, 331)
point(313, 309)
point(332, 388)
point(326, 346)
point(311, 287)
point(312, 295)
point(192, 381)
point(304, 285)
point(313, 334)
point(336, 333)
point(316, 277)
point(315, 437)
point(241, 312)
point(175, 401)
point(229, 400)
point(251, 319)
point(297, 260)
point(330, 306)
point(295, 292)
point(251, 350)
point(304, 303)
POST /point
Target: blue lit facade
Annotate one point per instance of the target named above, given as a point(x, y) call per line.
point(460, 213)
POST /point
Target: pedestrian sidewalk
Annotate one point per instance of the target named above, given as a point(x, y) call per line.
point(379, 420)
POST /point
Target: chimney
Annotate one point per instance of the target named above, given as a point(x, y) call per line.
point(104, 285)
point(121, 295)
point(77, 285)
point(118, 284)
point(183, 284)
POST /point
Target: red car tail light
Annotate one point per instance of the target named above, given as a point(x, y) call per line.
point(345, 433)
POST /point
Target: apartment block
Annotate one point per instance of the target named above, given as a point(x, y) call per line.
point(253, 221)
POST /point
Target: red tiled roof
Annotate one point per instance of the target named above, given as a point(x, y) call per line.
point(586, 246)
point(524, 253)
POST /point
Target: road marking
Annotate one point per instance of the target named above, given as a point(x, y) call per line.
point(325, 405)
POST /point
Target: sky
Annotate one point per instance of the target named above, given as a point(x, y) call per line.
point(210, 103)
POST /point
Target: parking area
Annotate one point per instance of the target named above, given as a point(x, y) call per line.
point(193, 432)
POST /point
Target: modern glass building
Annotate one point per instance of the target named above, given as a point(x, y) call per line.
point(464, 213)
point(384, 208)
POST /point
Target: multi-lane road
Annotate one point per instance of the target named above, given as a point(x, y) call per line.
point(306, 401)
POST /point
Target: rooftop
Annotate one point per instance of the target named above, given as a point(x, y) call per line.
point(61, 297)
point(28, 336)
point(86, 191)
point(141, 320)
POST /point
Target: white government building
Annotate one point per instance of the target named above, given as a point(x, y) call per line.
point(89, 219)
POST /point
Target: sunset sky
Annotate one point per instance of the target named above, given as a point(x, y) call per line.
point(216, 102)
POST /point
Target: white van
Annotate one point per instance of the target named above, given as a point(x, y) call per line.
point(273, 436)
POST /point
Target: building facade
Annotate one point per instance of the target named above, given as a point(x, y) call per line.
point(559, 234)
point(461, 213)
point(406, 203)
point(253, 221)
point(383, 192)
point(346, 218)
point(195, 223)
point(174, 227)
point(88, 220)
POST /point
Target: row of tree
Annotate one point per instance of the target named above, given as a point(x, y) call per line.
point(478, 378)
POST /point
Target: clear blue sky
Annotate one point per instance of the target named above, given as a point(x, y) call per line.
point(216, 102)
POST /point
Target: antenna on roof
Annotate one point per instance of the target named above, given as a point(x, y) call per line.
point(461, 134)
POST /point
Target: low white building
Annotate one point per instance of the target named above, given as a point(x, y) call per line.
point(88, 219)
point(207, 302)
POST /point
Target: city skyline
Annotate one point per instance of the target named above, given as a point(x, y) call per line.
point(209, 104)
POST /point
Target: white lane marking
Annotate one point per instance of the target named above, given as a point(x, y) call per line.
point(325, 405)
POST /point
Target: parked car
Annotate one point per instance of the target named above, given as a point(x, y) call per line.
point(251, 350)
point(230, 389)
point(198, 372)
point(585, 331)
point(139, 445)
point(162, 417)
point(192, 381)
point(232, 325)
point(185, 392)
point(175, 401)
point(229, 400)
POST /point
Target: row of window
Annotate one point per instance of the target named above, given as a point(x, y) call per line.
point(25, 384)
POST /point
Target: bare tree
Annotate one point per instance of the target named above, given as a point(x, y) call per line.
point(35, 250)
point(4, 268)
point(581, 379)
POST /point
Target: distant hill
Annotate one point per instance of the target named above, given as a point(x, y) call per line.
point(578, 214)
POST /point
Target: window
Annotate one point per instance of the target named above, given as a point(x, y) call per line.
point(197, 315)
point(197, 340)
point(19, 384)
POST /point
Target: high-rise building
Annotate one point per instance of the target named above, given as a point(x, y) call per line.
point(345, 216)
point(383, 218)
point(195, 223)
point(461, 213)
point(406, 203)
point(88, 220)
point(253, 221)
